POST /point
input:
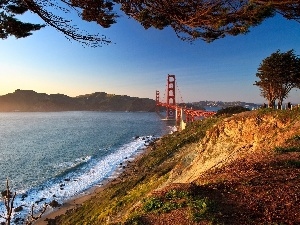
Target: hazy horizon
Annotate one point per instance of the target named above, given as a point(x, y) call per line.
point(213, 100)
point(138, 62)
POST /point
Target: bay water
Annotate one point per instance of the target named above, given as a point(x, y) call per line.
point(58, 155)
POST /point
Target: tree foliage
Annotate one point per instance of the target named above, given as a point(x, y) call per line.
point(190, 19)
point(232, 110)
point(278, 74)
point(207, 20)
point(10, 25)
point(99, 11)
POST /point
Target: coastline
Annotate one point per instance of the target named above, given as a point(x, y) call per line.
point(78, 200)
point(241, 176)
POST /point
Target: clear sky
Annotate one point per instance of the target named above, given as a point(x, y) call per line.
point(138, 62)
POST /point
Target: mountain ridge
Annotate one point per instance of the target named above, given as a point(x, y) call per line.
point(31, 101)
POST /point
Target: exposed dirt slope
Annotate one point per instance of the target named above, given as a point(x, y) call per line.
point(254, 190)
point(240, 170)
point(237, 137)
point(247, 169)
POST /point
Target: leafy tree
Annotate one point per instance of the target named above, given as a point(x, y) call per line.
point(208, 20)
point(99, 11)
point(9, 25)
point(190, 19)
point(278, 74)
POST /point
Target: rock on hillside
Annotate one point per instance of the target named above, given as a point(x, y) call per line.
point(237, 137)
point(246, 170)
point(243, 169)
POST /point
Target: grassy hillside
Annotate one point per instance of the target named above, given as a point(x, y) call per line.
point(240, 169)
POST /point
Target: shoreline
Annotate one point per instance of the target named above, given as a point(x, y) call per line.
point(78, 200)
point(72, 203)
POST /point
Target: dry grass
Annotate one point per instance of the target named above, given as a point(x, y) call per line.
point(258, 189)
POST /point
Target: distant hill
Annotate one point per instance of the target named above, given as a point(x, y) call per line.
point(31, 101)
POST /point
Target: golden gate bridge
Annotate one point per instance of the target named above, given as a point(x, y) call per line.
point(174, 111)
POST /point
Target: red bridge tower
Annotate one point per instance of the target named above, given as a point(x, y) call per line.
point(157, 102)
point(171, 96)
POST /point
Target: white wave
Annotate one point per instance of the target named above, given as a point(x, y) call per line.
point(172, 129)
point(73, 184)
point(72, 164)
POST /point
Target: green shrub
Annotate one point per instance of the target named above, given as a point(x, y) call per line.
point(201, 209)
point(293, 164)
point(287, 149)
point(152, 204)
point(134, 220)
point(232, 110)
point(169, 206)
point(173, 194)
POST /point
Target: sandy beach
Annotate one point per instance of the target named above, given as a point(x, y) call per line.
point(51, 213)
point(76, 201)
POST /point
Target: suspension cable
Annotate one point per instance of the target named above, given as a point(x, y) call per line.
point(179, 94)
point(165, 92)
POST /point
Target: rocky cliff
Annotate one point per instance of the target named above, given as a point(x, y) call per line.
point(239, 169)
point(237, 137)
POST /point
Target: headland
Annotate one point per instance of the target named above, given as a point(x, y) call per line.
point(232, 169)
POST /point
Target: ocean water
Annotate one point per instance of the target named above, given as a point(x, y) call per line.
point(58, 155)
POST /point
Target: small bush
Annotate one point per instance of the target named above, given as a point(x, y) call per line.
point(134, 220)
point(287, 149)
point(296, 138)
point(201, 208)
point(231, 110)
point(169, 206)
point(293, 164)
point(152, 204)
point(199, 204)
point(172, 194)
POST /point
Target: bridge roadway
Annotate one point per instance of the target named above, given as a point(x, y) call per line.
point(185, 115)
point(182, 114)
